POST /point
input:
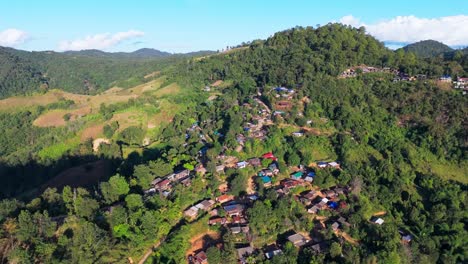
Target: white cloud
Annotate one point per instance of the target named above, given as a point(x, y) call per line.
point(12, 37)
point(451, 30)
point(350, 20)
point(99, 41)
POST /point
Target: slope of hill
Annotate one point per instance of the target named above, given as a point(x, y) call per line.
point(427, 48)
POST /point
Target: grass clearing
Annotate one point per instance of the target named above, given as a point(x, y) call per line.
point(449, 171)
point(57, 150)
point(426, 162)
point(130, 117)
point(140, 89)
point(170, 89)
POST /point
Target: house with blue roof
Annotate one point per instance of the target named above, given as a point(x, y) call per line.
point(266, 181)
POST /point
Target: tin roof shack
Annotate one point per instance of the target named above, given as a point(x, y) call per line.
point(244, 252)
point(205, 205)
point(298, 240)
point(200, 258)
point(220, 168)
point(283, 105)
point(275, 252)
point(163, 185)
point(181, 175)
point(234, 209)
point(224, 198)
point(241, 165)
point(200, 169)
point(192, 212)
point(256, 162)
point(217, 221)
point(266, 181)
point(377, 220)
point(297, 175)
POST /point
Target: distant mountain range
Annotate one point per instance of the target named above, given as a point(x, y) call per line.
point(144, 53)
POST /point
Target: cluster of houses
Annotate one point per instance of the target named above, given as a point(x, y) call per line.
point(255, 128)
point(204, 205)
point(406, 77)
point(332, 164)
point(461, 83)
point(399, 76)
point(164, 185)
point(317, 200)
point(353, 71)
point(229, 212)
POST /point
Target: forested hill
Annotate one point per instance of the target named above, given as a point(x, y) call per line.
point(18, 74)
point(306, 58)
point(87, 71)
point(428, 48)
point(291, 56)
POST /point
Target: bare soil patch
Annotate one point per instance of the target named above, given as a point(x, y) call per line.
point(55, 118)
point(217, 83)
point(380, 213)
point(98, 141)
point(51, 119)
point(92, 132)
point(203, 241)
point(151, 74)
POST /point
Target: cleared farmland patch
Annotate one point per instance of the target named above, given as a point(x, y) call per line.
point(171, 89)
point(55, 118)
point(92, 132)
point(130, 118)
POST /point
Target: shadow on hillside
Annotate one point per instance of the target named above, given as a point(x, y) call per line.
point(25, 181)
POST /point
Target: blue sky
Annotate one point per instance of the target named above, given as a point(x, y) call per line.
point(189, 25)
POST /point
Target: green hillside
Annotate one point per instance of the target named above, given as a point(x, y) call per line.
point(267, 147)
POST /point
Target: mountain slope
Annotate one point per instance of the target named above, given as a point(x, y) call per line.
point(427, 48)
point(18, 75)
